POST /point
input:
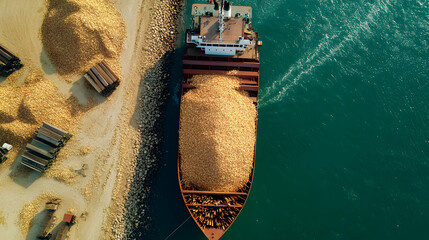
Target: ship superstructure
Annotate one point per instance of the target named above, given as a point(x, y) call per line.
point(222, 29)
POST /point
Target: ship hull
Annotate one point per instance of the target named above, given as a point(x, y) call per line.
point(246, 67)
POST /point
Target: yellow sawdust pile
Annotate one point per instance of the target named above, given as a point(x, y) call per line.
point(63, 174)
point(84, 150)
point(217, 134)
point(28, 105)
point(71, 211)
point(77, 34)
point(2, 218)
point(30, 210)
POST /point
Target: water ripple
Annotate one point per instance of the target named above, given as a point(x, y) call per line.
point(328, 48)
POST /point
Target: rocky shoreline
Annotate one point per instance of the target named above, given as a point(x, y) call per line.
point(157, 47)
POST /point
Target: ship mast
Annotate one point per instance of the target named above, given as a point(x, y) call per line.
point(221, 21)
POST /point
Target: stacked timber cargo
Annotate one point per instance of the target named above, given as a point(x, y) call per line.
point(48, 219)
point(44, 147)
point(8, 62)
point(102, 78)
point(4, 149)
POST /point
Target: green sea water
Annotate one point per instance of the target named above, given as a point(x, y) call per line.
point(343, 130)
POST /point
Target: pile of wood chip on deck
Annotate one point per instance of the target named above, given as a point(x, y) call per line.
point(217, 134)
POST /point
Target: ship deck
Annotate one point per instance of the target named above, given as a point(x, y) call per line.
point(233, 29)
point(199, 9)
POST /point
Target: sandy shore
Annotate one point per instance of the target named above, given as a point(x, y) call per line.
point(107, 138)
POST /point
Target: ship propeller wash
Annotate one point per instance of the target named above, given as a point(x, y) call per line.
point(221, 42)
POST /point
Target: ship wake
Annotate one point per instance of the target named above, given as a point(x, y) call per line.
point(330, 47)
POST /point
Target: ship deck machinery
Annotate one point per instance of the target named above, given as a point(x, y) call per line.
point(220, 41)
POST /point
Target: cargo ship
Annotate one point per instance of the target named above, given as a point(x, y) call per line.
point(220, 40)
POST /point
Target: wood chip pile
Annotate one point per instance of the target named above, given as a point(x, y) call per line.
point(24, 107)
point(2, 218)
point(217, 134)
point(29, 211)
point(77, 34)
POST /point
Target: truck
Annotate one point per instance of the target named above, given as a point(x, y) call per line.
point(4, 149)
point(64, 228)
point(48, 219)
point(9, 63)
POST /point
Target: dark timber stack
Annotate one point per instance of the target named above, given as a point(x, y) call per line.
point(8, 62)
point(102, 78)
point(44, 147)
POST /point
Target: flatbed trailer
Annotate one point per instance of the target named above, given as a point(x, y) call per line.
point(48, 219)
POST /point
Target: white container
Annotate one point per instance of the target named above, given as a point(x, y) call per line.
point(227, 9)
point(7, 146)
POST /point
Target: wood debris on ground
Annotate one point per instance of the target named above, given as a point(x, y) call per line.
point(2, 218)
point(30, 209)
point(25, 106)
point(77, 34)
point(63, 174)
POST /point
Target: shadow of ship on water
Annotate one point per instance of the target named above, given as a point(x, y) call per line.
point(155, 206)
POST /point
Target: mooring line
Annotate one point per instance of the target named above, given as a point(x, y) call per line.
point(177, 228)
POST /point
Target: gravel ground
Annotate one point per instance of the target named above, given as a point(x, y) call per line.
point(111, 130)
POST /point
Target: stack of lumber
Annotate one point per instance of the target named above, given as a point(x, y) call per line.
point(8, 62)
point(44, 147)
point(214, 211)
point(102, 78)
